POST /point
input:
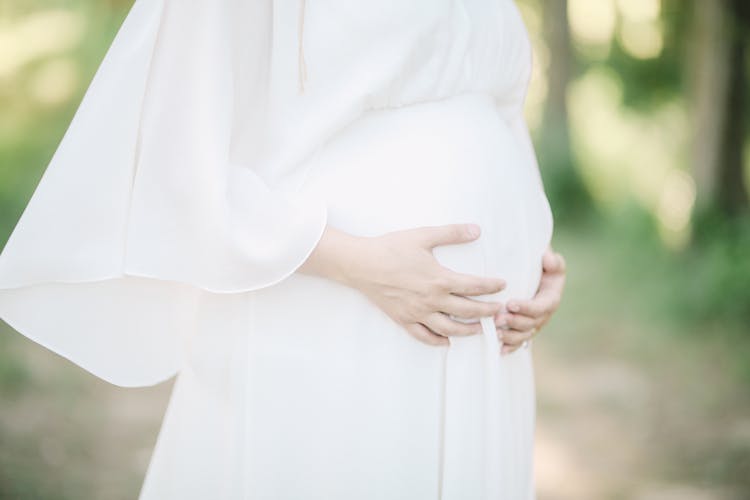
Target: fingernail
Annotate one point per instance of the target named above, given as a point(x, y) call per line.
point(474, 230)
point(513, 307)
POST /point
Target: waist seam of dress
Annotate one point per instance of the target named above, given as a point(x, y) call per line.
point(505, 108)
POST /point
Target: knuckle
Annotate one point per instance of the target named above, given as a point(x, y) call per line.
point(451, 328)
point(407, 317)
point(447, 326)
point(439, 284)
point(427, 303)
point(410, 318)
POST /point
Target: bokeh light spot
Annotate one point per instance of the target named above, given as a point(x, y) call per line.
point(38, 35)
point(592, 21)
point(54, 82)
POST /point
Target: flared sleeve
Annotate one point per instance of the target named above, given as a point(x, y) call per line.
point(152, 199)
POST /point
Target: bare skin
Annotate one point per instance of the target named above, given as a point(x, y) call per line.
point(398, 272)
point(524, 318)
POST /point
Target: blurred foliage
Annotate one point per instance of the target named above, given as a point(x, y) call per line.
point(14, 374)
point(652, 81)
point(720, 259)
point(631, 108)
point(51, 50)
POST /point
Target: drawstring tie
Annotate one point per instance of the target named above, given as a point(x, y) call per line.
point(301, 65)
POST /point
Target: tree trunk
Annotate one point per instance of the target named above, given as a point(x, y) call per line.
point(732, 192)
point(718, 81)
point(555, 133)
point(564, 187)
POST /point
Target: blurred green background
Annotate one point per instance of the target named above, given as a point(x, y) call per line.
point(639, 112)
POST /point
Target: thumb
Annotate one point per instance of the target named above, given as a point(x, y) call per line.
point(561, 265)
point(553, 262)
point(448, 234)
point(549, 262)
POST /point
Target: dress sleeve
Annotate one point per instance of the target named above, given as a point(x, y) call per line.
point(151, 199)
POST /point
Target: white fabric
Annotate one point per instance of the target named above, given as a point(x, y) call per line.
point(196, 178)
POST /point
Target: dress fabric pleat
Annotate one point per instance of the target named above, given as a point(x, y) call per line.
point(215, 143)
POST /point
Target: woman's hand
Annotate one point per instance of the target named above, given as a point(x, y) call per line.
point(398, 272)
point(524, 318)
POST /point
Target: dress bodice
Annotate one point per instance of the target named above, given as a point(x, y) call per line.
point(370, 55)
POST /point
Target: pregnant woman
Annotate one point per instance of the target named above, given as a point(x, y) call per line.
point(274, 200)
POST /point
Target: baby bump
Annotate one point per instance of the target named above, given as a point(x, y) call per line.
point(442, 162)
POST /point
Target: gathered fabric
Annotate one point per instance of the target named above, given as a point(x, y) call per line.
point(302, 65)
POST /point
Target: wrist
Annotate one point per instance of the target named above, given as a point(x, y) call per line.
point(337, 257)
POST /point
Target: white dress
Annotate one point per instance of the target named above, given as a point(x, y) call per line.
point(198, 175)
